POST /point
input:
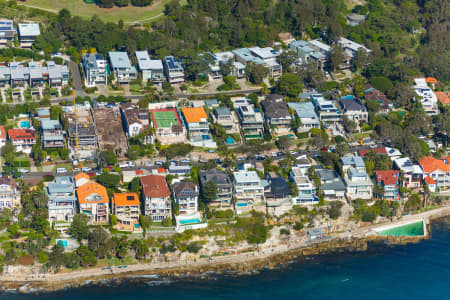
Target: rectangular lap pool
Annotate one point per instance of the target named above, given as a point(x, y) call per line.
point(24, 124)
point(190, 221)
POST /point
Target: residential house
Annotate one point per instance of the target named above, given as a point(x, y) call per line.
point(358, 184)
point(186, 197)
point(308, 117)
point(5, 76)
point(9, 193)
point(306, 188)
point(196, 120)
point(52, 134)
point(181, 169)
point(135, 121)
point(225, 117)
point(377, 150)
point(393, 153)
point(58, 75)
point(20, 76)
point(129, 174)
point(427, 97)
point(389, 180)
point(224, 187)
point(315, 51)
point(168, 126)
point(156, 197)
point(354, 109)
point(356, 162)
point(355, 19)
point(262, 56)
point(95, 69)
point(277, 195)
point(326, 109)
point(62, 202)
point(431, 183)
point(217, 61)
point(125, 206)
point(437, 169)
point(248, 190)
point(386, 105)
point(412, 173)
point(173, 69)
point(151, 69)
point(121, 67)
point(2, 136)
point(332, 186)
point(22, 139)
point(276, 114)
point(251, 121)
point(36, 74)
point(350, 49)
point(94, 202)
point(28, 32)
point(443, 97)
point(43, 113)
point(7, 32)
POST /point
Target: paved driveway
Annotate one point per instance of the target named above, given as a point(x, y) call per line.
point(76, 79)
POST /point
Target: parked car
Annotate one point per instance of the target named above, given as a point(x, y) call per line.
point(61, 170)
point(124, 165)
point(148, 164)
point(280, 153)
point(86, 169)
point(23, 170)
point(159, 162)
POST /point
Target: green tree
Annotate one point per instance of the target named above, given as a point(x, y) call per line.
point(283, 143)
point(57, 258)
point(210, 191)
point(97, 241)
point(79, 228)
point(256, 73)
point(336, 57)
point(108, 157)
point(289, 85)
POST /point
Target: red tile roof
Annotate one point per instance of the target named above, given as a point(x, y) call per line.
point(126, 199)
point(155, 186)
point(443, 97)
point(379, 150)
point(389, 177)
point(431, 80)
point(2, 132)
point(21, 134)
point(430, 180)
point(430, 164)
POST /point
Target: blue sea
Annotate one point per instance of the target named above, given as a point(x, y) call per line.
point(416, 271)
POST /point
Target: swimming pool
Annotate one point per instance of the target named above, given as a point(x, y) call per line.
point(229, 141)
point(62, 243)
point(24, 124)
point(411, 229)
point(189, 221)
point(241, 204)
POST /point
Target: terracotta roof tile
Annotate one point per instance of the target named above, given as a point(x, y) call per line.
point(430, 180)
point(430, 164)
point(21, 134)
point(194, 114)
point(2, 132)
point(155, 186)
point(389, 177)
point(444, 98)
point(379, 150)
point(92, 188)
point(126, 199)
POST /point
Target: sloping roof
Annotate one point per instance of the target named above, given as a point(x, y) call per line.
point(119, 60)
point(21, 134)
point(304, 110)
point(443, 97)
point(275, 109)
point(82, 175)
point(430, 180)
point(154, 186)
point(92, 192)
point(7, 181)
point(185, 187)
point(431, 80)
point(378, 150)
point(219, 177)
point(2, 132)
point(351, 104)
point(194, 114)
point(430, 164)
point(279, 187)
point(388, 177)
point(222, 111)
point(126, 199)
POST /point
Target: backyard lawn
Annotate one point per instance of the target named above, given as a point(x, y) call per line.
point(129, 14)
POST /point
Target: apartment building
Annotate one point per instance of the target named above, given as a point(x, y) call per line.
point(121, 67)
point(125, 206)
point(251, 121)
point(95, 69)
point(151, 69)
point(156, 197)
point(173, 69)
point(94, 202)
point(62, 202)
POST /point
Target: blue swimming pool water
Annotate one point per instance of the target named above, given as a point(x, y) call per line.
point(230, 141)
point(205, 137)
point(63, 243)
point(190, 221)
point(241, 204)
point(24, 124)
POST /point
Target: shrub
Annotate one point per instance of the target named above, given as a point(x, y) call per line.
point(223, 214)
point(284, 231)
point(298, 226)
point(49, 178)
point(194, 247)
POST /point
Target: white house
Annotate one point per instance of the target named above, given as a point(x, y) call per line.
point(248, 190)
point(151, 69)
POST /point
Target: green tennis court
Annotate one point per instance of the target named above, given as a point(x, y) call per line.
point(164, 119)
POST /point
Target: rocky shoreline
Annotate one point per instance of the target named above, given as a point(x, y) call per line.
point(247, 266)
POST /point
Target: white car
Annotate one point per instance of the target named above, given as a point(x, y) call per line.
point(86, 169)
point(148, 164)
point(61, 170)
point(23, 170)
point(124, 165)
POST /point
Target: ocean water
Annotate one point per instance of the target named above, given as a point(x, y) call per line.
point(417, 271)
